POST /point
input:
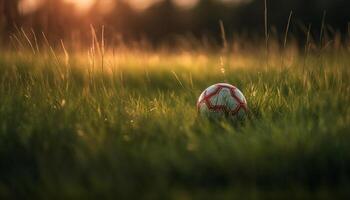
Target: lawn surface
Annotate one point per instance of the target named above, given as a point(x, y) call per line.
point(126, 126)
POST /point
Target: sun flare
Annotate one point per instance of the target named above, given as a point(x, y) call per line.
point(82, 5)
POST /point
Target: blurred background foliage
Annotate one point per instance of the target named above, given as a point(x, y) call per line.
point(164, 20)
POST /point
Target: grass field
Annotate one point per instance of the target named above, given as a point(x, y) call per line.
point(75, 125)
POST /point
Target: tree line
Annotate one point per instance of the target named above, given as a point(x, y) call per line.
point(164, 20)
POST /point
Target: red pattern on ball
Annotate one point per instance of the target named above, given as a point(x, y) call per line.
point(224, 108)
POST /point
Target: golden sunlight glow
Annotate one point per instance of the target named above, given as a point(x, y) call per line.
point(142, 4)
point(106, 6)
point(82, 5)
point(28, 6)
point(186, 3)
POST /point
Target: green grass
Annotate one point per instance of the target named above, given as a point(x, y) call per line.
point(72, 128)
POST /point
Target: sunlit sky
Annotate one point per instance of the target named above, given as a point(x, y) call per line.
point(28, 6)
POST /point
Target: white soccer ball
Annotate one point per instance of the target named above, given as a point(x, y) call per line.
point(222, 100)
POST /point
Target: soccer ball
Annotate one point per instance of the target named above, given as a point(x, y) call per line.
point(222, 100)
